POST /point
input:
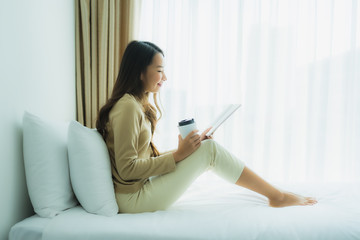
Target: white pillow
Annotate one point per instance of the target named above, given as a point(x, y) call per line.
point(90, 170)
point(46, 165)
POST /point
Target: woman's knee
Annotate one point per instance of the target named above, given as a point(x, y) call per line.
point(206, 151)
point(208, 144)
point(210, 147)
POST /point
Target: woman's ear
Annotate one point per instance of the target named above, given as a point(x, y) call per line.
point(142, 76)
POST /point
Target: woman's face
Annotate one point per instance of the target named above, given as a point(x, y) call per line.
point(154, 75)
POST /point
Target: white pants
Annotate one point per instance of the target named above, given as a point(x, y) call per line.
point(162, 191)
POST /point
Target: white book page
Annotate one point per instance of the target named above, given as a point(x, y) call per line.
point(222, 117)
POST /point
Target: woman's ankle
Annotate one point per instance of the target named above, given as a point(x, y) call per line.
point(276, 196)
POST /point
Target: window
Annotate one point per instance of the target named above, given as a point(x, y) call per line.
point(294, 65)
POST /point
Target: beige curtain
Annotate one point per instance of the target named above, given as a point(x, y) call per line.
point(103, 29)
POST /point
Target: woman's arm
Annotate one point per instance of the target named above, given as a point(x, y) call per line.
point(131, 141)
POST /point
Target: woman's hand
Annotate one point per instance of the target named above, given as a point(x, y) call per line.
point(203, 135)
point(187, 145)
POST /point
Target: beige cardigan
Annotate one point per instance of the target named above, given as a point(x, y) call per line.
point(128, 142)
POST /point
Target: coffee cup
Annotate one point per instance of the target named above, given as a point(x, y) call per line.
point(186, 126)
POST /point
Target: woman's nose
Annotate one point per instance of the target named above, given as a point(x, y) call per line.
point(164, 78)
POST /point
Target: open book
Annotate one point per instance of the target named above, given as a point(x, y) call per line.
point(222, 117)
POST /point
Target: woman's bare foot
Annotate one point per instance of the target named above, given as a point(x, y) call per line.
point(291, 199)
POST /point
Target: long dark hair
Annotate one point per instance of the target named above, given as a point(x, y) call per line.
point(137, 56)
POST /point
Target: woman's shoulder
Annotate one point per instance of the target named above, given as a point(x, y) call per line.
point(127, 100)
point(127, 104)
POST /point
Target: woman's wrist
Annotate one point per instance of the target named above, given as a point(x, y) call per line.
point(177, 156)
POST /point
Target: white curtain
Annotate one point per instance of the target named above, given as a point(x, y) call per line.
point(293, 65)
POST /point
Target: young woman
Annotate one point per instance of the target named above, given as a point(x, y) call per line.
point(145, 180)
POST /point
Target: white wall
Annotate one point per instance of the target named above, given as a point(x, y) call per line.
point(37, 74)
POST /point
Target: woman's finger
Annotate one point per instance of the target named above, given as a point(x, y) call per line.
point(207, 130)
point(191, 134)
point(196, 144)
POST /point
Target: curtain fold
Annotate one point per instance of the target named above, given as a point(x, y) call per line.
point(103, 30)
